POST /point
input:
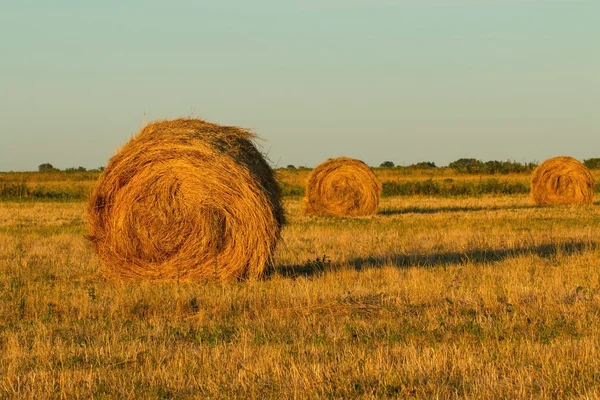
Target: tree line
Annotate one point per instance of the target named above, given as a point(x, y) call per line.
point(475, 166)
point(47, 167)
point(461, 166)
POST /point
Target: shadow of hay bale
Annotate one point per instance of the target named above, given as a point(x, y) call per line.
point(441, 210)
point(430, 260)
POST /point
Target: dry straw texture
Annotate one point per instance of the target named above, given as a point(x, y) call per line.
point(342, 187)
point(562, 180)
point(186, 199)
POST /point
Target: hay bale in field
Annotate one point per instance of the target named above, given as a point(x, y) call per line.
point(186, 199)
point(342, 187)
point(562, 180)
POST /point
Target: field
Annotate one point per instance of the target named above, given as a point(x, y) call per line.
point(479, 295)
point(64, 186)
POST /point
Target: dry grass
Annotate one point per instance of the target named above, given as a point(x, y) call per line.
point(472, 297)
point(562, 180)
point(342, 187)
point(186, 199)
point(77, 186)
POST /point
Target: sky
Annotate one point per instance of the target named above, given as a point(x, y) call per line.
point(378, 80)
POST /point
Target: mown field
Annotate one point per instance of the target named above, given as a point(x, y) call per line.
point(477, 295)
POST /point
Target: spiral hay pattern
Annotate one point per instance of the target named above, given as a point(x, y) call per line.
point(186, 199)
point(342, 187)
point(562, 180)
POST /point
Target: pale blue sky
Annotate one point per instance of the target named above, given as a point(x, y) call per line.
point(406, 81)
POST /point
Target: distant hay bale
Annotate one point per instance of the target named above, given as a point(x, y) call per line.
point(186, 199)
point(342, 187)
point(562, 180)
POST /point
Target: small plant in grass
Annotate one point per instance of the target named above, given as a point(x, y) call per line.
point(319, 264)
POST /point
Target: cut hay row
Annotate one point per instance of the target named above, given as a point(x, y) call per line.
point(186, 199)
point(342, 187)
point(562, 180)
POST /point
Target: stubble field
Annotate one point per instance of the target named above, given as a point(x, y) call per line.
point(480, 297)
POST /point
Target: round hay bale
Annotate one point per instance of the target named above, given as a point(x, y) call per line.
point(562, 180)
point(186, 199)
point(342, 187)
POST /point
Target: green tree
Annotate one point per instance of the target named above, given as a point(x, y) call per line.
point(46, 167)
point(466, 165)
point(424, 165)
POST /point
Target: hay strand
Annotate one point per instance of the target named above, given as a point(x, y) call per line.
point(342, 187)
point(186, 199)
point(562, 180)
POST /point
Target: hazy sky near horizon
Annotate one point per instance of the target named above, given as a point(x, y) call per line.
point(406, 81)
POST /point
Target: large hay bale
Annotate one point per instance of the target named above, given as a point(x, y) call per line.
point(186, 199)
point(342, 187)
point(562, 180)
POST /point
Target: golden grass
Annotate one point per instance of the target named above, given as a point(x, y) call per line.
point(430, 298)
point(342, 187)
point(78, 186)
point(562, 180)
point(186, 199)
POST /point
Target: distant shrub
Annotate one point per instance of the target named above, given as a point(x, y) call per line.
point(466, 165)
point(474, 166)
point(291, 167)
point(22, 191)
point(13, 190)
point(78, 169)
point(288, 190)
point(424, 165)
point(449, 187)
point(592, 163)
point(387, 164)
point(46, 167)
